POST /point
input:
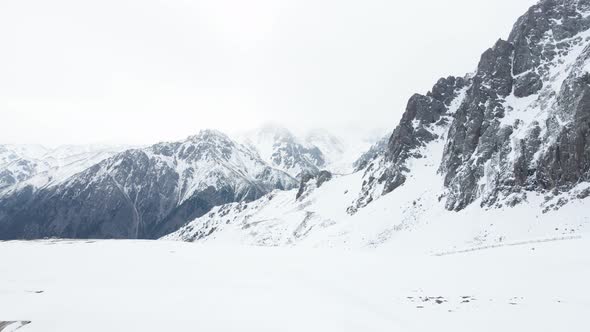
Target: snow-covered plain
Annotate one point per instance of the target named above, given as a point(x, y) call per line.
point(175, 286)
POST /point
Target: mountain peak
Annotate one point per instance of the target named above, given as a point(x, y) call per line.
point(209, 134)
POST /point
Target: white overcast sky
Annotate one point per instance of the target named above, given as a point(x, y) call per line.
point(141, 71)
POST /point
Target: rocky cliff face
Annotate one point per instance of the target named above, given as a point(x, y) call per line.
point(426, 119)
point(519, 123)
point(143, 193)
point(524, 125)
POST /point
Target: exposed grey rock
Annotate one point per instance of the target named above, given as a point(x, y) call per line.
point(527, 85)
point(487, 156)
point(323, 177)
point(374, 152)
point(305, 179)
point(584, 194)
point(477, 136)
point(304, 185)
point(562, 17)
point(424, 118)
point(567, 161)
point(445, 90)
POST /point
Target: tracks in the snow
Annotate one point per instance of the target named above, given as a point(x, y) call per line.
point(500, 245)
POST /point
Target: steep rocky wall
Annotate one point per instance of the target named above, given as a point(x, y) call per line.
point(521, 125)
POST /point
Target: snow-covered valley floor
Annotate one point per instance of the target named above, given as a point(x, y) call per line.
point(173, 286)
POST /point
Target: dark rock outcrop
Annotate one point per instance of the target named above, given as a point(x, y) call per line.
point(424, 119)
point(304, 185)
point(377, 150)
point(323, 177)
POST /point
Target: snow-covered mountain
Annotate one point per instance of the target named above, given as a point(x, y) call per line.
point(308, 152)
point(343, 150)
point(142, 193)
point(283, 150)
point(15, 166)
point(39, 166)
point(502, 153)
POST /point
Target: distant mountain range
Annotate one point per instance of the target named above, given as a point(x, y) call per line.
point(116, 192)
point(39, 166)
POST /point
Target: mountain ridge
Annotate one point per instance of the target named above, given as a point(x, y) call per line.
point(142, 193)
point(149, 191)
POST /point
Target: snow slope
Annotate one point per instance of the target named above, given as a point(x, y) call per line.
point(173, 286)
